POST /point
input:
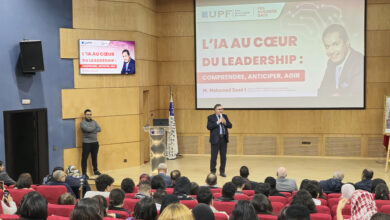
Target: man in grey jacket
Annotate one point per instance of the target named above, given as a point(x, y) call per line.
point(282, 183)
point(89, 128)
point(4, 176)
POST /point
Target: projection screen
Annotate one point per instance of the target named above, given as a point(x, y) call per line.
point(280, 55)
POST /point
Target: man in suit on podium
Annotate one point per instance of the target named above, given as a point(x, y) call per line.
point(128, 64)
point(218, 125)
point(344, 74)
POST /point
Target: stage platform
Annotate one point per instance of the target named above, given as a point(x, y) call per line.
point(196, 167)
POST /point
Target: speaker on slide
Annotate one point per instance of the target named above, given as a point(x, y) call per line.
point(31, 56)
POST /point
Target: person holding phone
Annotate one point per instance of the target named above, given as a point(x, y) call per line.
point(4, 176)
point(8, 204)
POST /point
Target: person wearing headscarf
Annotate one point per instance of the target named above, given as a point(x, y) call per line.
point(362, 206)
point(74, 179)
point(347, 191)
point(203, 212)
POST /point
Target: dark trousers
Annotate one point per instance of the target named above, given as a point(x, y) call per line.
point(221, 146)
point(92, 148)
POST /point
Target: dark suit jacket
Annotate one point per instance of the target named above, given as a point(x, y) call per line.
point(351, 78)
point(213, 127)
point(130, 69)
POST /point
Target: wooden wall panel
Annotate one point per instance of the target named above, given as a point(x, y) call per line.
point(184, 97)
point(115, 129)
point(375, 93)
point(103, 101)
point(377, 69)
point(175, 5)
point(110, 157)
point(151, 4)
point(69, 45)
point(113, 15)
point(188, 144)
point(259, 145)
point(378, 17)
point(377, 43)
point(343, 146)
point(176, 48)
point(375, 147)
point(177, 73)
point(294, 146)
point(175, 24)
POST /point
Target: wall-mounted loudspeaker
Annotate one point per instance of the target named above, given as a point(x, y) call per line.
point(31, 56)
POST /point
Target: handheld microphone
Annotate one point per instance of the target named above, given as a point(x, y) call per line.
point(220, 115)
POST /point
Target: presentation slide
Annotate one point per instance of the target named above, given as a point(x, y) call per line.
point(280, 55)
point(106, 57)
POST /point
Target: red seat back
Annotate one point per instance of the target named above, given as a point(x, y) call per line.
point(346, 210)
point(280, 199)
point(215, 190)
point(323, 202)
point(241, 197)
point(9, 217)
point(122, 214)
point(323, 209)
point(17, 194)
point(217, 195)
point(277, 207)
point(320, 216)
point(189, 203)
point(385, 209)
point(224, 206)
point(59, 210)
point(51, 193)
point(130, 195)
point(129, 204)
point(169, 191)
point(193, 196)
point(220, 216)
point(267, 217)
point(344, 217)
point(249, 192)
point(287, 194)
point(334, 195)
point(333, 201)
point(380, 203)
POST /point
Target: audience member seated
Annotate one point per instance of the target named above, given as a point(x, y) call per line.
point(261, 204)
point(376, 182)
point(74, 179)
point(365, 183)
point(24, 181)
point(333, 185)
point(272, 183)
point(262, 188)
point(47, 178)
point(162, 171)
point(211, 181)
point(157, 182)
point(66, 199)
point(182, 188)
point(103, 185)
point(167, 200)
point(228, 191)
point(313, 190)
point(347, 191)
point(58, 179)
point(282, 183)
point(175, 174)
point(303, 197)
point(145, 209)
point(144, 190)
point(128, 185)
point(203, 212)
point(239, 182)
point(206, 196)
point(194, 188)
point(244, 173)
point(294, 212)
point(303, 184)
point(176, 211)
point(381, 192)
point(117, 196)
point(158, 196)
point(320, 191)
point(86, 208)
point(32, 206)
point(4, 176)
point(8, 205)
point(380, 216)
point(243, 211)
point(144, 177)
point(103, 206)
point(362, 206)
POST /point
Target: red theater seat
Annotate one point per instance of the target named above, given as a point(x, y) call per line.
point(189, 203)
point(267, 217)
point(385, 209)
point(17, 194)
point(130, 195)
point(54, 217)
point(249, 192)
point(277, 207)
point(169, 191)
point(51, 193)
point(323, 202)
point(215, 190)
point(320, 216)
point(129, 204)
point(220, 216)
point(9, 217)
point(346, 210)
point(334, 195)
point(323, 209)
point(333, 201)
point(224, 206)
point(193, 196)
point(280, 199)
point(217, 195)
point(344, 217)
point(122, 214)
point(380, 203)
point(59, 210)
point(241, 197)
point(287, 194)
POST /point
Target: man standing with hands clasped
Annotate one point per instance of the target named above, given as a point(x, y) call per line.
point(218, 125)
point(89, 128)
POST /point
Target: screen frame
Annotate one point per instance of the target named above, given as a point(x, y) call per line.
point(104, 74)
point(320, 108)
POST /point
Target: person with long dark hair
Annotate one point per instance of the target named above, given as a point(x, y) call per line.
point(24, 181)
point(32, 206)
point(303, 197)
point(145, 209)
point(381, 192)
point(262, 205)
point(86, 209)
point(244, 211)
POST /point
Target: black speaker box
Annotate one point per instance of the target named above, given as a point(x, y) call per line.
point(31, 56)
